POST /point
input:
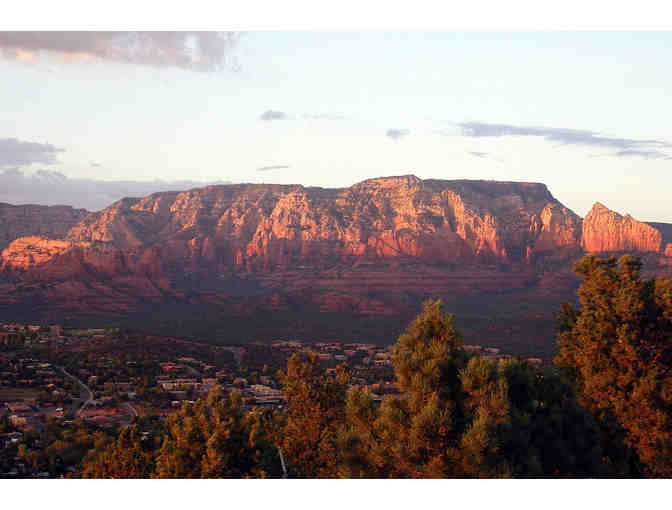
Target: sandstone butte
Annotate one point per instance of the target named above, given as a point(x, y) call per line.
point(36, 220)
point(400, 232)
point(607, 231)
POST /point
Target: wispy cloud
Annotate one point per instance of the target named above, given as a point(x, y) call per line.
point(195, 51)
point(642, 154)
point(273, 167)
point(280, 115)
point(397, 134)
point(14, 153)
point(54, 188)
point(94, 164)
point(324, 116)
point(479, 154)
point(273, 115)
point(626, 146)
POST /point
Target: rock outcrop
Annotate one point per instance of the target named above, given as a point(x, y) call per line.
point(375, 248)
point(388, 236)
point(263, 227)
point(36, 220)
point(607, 231)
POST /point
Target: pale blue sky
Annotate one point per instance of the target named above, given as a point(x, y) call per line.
point(345, 96)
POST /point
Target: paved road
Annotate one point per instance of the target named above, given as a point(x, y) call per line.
point(192, 370)
point(79, 405)
point(131, 409)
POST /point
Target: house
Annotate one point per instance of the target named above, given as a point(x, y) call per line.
point(17, 421)
point(181, 383)
point(209, 382)
point(265, 392)
point(170, 367)
point(472, 348)
point(19, 407)
point(240, 381)
point(10, 338)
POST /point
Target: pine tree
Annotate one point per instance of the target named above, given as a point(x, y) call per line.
point(314, 415)
point(418, 433)
point(215, 439)
point(618, 347)
point(127, 457)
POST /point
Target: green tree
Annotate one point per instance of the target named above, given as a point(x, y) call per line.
point(461, 416)
point(416, 434)
point(488, 412)
point(618, 348)
point(314, 415)
point(127, 457)
point(215, 439)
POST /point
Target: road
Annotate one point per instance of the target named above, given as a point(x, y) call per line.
point(192, 370)
point(78, 405)
point(131, 409)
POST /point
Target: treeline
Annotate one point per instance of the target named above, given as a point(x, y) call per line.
point(603, 410)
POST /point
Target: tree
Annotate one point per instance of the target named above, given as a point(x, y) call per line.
point(461, 416)
point(488, 411)
point(314, 415)
point(417, 434)
point(618, 348)
point(215, 439)
point(127, 457)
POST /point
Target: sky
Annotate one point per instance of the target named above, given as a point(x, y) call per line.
point(585, 113)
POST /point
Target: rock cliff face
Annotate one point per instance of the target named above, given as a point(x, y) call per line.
point(265, 227)
point(389, 236)
point(36, 220)
point(607, 231)
point(376, 248)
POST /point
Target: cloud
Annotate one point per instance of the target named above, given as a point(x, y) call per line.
point(324, 116)
point(54, 188)
point(652, 154)
point(94, 164)
point(278, 115)
point(15, 152)
point(274, 167)
point(273, 115)
point(397, 134)
point(47, 175)
point(194, 51)
point(10, 173)
point(626, 146)
point(479, 154)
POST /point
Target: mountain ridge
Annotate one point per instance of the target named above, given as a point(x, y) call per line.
point(376, 248)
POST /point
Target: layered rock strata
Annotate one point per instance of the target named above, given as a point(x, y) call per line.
point(344, 249)
point(36, 220)
point(607, 231)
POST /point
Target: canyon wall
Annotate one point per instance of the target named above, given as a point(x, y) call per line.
point(374, 248)
point(265, 227)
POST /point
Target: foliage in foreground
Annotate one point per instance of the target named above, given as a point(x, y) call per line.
point(618, 347)
point(604, 411)
point(213, 438)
